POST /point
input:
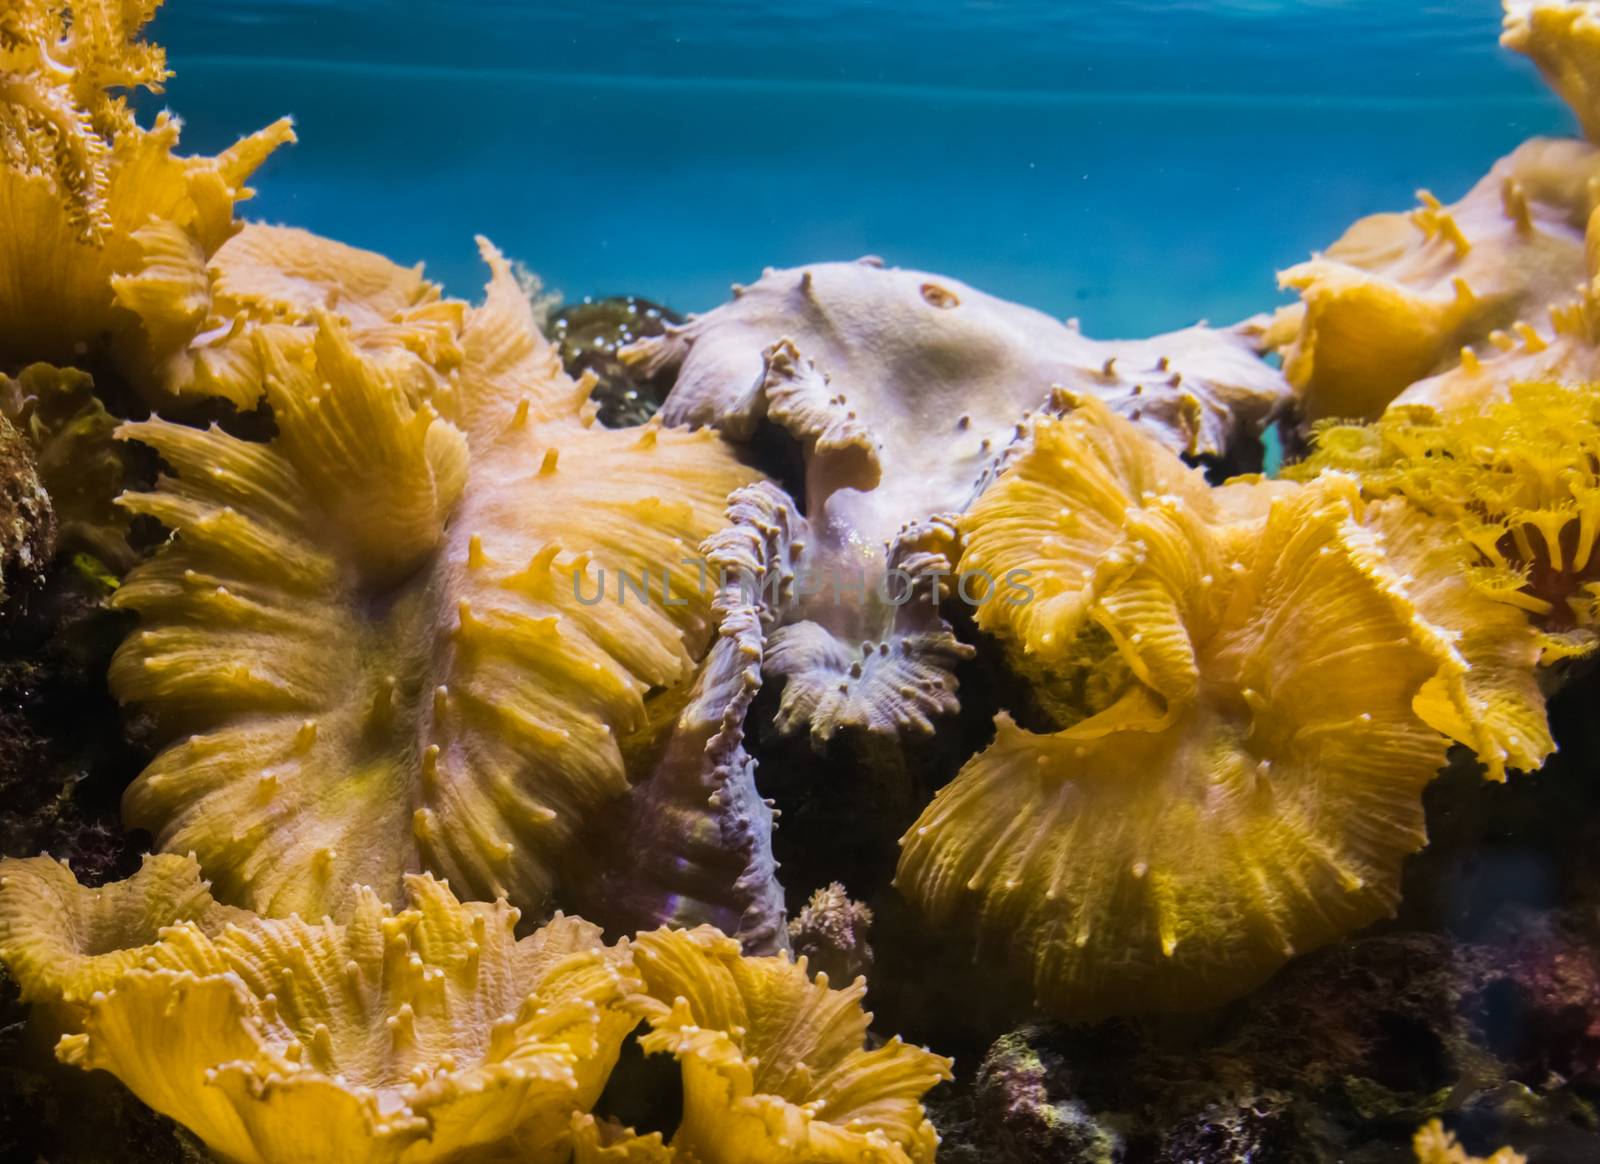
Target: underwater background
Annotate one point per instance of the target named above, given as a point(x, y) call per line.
point(1135, 163)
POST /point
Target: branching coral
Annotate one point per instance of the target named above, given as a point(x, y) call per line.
point(1519, 480)
point(902, 389)
point(59, 61)
point(424, 1035)
point(1562, 37)
point(1244, 783)
point(374, 640)
point(1400, 296)
point(775, 1065)
point(1434, 1145)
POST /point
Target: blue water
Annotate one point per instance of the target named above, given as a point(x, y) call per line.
point(1134, 163)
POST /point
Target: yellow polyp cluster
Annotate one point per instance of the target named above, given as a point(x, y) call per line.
point(1434, 1145)
point(1401, 297)
point(1293, 665)
point(428, 1034)
point(60, 61)
point(1518, 479)
point(365, 639)
point(775, 1065)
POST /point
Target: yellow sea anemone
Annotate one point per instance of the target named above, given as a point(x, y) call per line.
point(396, 1037)
point(775, 1064)
point(65, 942)
point(375, 641)
point(1399, 296)
point(1519, 480)
point(1239, 776)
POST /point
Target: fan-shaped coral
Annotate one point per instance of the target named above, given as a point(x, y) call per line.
point(903, 388)
point(1399, 296)
point(775, 1065)
point(1239, 778)
point(372, 640)
point(59, 61)
point(408, 1037)
point(1519, 481)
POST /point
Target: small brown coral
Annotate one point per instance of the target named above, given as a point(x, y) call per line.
point(1562, 37)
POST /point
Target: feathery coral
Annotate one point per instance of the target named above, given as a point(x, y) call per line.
point(369, 639)
point(1399, 296)
point(903, 389)
point(59, 61)
point(1434, 1145)
point(1518, 479)
point(1246, 782)
point(397, 1037)
point(775, 1068)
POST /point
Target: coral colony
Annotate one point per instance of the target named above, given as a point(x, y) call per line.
point(418, 654)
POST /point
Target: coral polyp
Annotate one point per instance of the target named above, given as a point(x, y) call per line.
point(365, 639)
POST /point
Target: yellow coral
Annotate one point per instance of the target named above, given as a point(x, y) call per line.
point(1399, 295)
point(367, 636)
point(1562, 37)
point(64, 942)
point(399, 1038)
point(67, 301)
point(203, 316)
point(1518, 479)
point(1434, 1145)
point(775, 1069)
point(1250, 787)
point(59, 61)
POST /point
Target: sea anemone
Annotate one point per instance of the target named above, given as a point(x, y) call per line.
point(1400, 296)
point(903, 389)
point(372, 642)
point(394, 1037)
point(775, 1064)
point(1250, 688)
